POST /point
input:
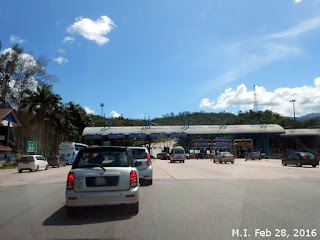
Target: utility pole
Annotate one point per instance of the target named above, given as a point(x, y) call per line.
point(255, 100)
point(294, 113)
point(102, 105)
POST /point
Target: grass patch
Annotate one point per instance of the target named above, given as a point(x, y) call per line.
point(158, 140)
point(8, 165)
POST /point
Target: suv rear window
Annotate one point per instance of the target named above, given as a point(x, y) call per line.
point(139, 153)
point(103, 157)
point(178, 151)
point(27, 159)
point(227, 154)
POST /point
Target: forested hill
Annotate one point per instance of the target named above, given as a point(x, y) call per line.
point(222, 118)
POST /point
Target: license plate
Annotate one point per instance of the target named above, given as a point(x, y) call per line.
point(100, 181)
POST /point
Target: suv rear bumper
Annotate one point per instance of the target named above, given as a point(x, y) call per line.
point(103, 198)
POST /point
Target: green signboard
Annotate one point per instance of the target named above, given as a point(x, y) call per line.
point(106, 143)
point(32, 146)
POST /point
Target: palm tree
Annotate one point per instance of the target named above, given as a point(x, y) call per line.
point(44, 103)
point(77, 116)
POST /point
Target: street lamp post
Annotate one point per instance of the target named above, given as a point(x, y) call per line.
point(294, 113)
point(102, 105)
point(294, 121)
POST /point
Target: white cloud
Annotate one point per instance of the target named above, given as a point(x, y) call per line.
point(114, 114)
point(88, 110)
point(307, 99)
point(61, 60)
point(61, 51)
point(93, 30)
point(141, 115)
point(68, 39)
point(16, 39)
point(303, 27)
point(253, 54)
point(205, 103)
point(258, 56)
point(297, 1)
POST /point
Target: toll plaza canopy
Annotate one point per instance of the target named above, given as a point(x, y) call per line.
point(301, 132)
point(189, 130)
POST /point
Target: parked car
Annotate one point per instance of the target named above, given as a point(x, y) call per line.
point(177, 155)
point(253, 156)
point(165, 156)
point(141, 154)
point(264, 155)
point(32, 163)
point(300, 159)
point(187, 155)
point(56, 161)
point(223, 157)
point(103, 176)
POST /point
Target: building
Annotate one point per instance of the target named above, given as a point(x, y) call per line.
point(8, 120)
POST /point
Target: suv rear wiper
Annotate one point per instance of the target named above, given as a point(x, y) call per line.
point(93, 165)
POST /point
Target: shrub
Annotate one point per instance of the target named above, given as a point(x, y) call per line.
point(8, 165)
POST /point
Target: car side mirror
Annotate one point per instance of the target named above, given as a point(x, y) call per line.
point(137, 164)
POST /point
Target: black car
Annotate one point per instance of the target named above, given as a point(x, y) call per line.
point(253, 156)
point(165, 156)
point(56, 161)
point(300, 159)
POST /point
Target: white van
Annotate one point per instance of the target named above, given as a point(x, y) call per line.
point(68, 151)
point(177, 154)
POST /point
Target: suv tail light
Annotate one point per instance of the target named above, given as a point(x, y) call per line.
point(70, 181)
point(148, 160)
point(305, 158)
point(133, 179)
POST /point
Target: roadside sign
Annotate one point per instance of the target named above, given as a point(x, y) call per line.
point(178, 134)
point(118, 135)
point(106, 143)
point(93, 136)
point(222, 144)
point(32, 146)
point(201, 144)
point(137, 135)
point(158, 135)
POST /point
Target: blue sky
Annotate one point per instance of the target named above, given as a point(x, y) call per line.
point(146, 57)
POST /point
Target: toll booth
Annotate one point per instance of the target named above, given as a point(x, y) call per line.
point(243, 147)
point(222, 145)
point(201, 148)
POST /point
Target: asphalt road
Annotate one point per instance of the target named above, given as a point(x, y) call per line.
point(194, 200)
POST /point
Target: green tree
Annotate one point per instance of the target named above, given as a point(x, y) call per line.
point(20, 72)
point(77, 116)
point(44, 103)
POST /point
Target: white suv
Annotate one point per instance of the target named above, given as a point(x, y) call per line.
point(177, 154)
point(142, 156)
point(32, 163)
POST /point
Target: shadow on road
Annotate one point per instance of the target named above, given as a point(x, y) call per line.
point(88, 215)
